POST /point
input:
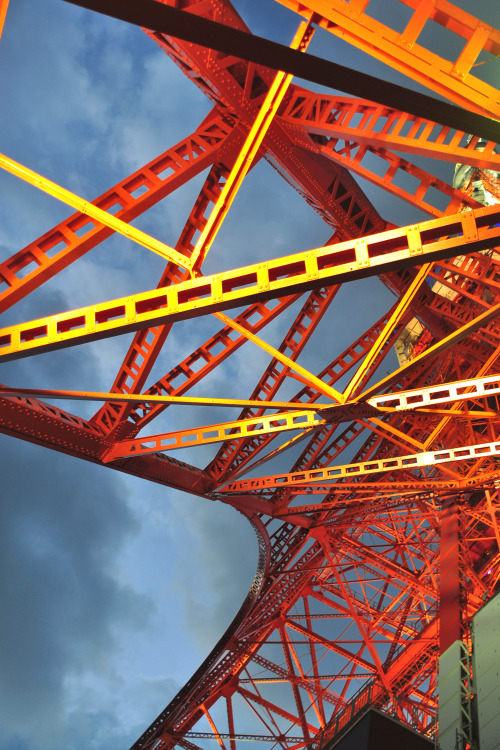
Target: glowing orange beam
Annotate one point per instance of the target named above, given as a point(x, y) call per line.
point(89, 209)
point(375, 254)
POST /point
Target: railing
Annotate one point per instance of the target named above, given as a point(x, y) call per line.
point(371, 695)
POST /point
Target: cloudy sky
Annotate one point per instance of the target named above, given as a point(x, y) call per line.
point(113, 590)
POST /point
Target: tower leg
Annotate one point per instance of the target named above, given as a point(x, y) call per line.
point(457, 708)
point(450, 617)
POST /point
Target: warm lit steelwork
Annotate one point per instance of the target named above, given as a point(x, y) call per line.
point(384, 524)
point(477, 229)
point(453, 80)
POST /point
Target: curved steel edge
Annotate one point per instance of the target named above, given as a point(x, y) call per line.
point(201, 684)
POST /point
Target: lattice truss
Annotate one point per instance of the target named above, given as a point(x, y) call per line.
point(345, 476)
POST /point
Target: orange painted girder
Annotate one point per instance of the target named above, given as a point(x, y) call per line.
point(27, 269)
point(426, 187)
point(453, 80)
point(364, 122)
point(4, 4)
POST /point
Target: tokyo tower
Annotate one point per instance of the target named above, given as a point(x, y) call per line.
point(371, 483)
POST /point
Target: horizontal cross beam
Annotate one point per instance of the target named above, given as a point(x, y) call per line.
point(473, 230)
point(198, 30)
point(295, 420)
point(438, 394)
point(409, 462)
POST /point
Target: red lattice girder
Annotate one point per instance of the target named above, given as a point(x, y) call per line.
point(46, 425)
point(452, 79)
point(352, 156)
point(366, 123)
point(347, 595)
point(41, 260)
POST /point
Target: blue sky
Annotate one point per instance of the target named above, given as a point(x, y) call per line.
point(113, 589)
point(105, 578)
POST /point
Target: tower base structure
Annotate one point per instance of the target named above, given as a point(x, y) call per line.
point(375, 730)
point(469, 686)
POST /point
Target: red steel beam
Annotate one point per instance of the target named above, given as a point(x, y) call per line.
point(42, 259)
point(364, 122)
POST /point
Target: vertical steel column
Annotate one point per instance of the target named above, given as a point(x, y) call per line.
point(450, 630)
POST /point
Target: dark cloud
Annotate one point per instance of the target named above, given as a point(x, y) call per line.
point(62, 526)
point(215, 570)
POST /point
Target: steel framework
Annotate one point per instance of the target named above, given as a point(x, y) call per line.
point(380, 537)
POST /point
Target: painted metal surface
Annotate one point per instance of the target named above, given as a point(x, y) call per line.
point(486, 633)
point(350, 526)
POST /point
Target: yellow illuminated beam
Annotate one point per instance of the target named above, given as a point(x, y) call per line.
point(388, 403)
point(139, 398)
point(249, 150)
point(464, 413)
point(387, 330)
point(410, 462)
point(309, 378)
point(379, 253)
point(89, 209)
point(216, 433)
point(460, 390)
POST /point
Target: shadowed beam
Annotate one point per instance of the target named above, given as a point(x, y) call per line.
point(198, 30)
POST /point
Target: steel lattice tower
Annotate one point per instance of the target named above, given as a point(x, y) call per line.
point(380, 539)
